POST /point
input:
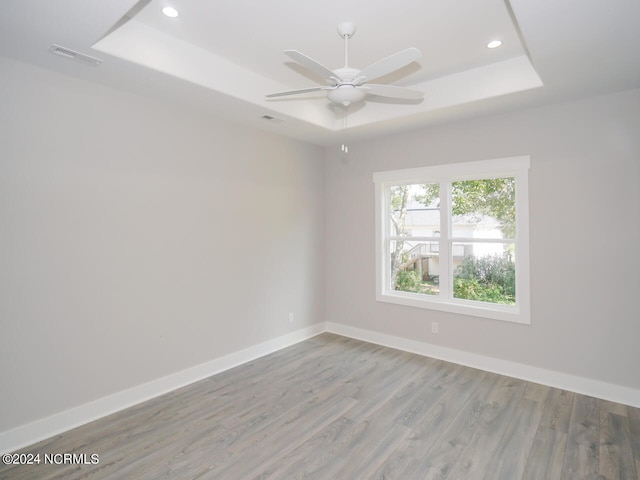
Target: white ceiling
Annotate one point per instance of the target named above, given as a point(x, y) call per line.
point(223, 57)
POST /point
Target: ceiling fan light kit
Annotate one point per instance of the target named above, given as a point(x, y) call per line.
point(348, 85)
point(345, 95)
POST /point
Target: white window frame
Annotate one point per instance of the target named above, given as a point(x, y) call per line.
point(517, 167)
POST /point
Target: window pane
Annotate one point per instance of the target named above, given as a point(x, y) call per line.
point(415, 267)
point(484, 208)
point(485, 272)
point(415, 210)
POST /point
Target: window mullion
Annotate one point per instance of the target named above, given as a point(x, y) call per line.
point(445, 235)
point(386, 228)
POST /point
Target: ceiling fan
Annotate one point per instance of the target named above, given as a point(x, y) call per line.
point(349, 85)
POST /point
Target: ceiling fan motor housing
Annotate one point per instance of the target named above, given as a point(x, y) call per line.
point(346, 75)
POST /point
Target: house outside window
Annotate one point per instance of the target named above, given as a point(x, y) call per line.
point(455, 238)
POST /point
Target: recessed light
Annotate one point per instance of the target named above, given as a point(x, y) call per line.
point(494, 43)
point(170, 12)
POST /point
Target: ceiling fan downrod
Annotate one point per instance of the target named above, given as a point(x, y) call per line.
point(345, 93)
point(346, 30)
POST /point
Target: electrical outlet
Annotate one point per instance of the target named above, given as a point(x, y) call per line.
point(291, 317)
point(434, 327)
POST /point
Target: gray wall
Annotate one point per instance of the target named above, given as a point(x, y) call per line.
point(139, 240)
point(584, 218)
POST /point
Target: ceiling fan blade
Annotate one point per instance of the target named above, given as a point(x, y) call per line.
point(310, 64)
point(390, 63)
point(296, 92)
point(392, 91)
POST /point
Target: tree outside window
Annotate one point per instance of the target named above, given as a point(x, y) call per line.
point(454, 239)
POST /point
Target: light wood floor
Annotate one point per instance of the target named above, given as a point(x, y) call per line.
point(337, 408)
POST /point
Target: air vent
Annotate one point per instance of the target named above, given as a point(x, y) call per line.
point(73, 55)
point(272, 119)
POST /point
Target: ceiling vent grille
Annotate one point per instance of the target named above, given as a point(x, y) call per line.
point(73, 55)
point(272, 119)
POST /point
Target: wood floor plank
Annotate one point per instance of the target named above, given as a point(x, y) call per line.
point(424, 414)
point(558, 414)
point(439, 439)
point(548, 449)
point(333, 408)
point(397, 393)
point(616, 461)
point(425, 395)
point(316, 456)
point(510, 457)
point(546, 457)
point(431, 415)
point(634, 429)
point(494, 421)
point(583, 443)
point(234, 462)
point(362, 460)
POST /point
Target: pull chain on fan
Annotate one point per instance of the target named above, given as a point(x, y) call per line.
point(345, 147)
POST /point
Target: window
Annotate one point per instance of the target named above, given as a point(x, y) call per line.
point(455, 238)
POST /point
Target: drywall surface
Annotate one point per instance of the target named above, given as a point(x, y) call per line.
point(584, 209)
point(139, 240)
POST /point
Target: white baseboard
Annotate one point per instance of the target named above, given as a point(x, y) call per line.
point(25, 435)
point(573, 383)
point(31, 433)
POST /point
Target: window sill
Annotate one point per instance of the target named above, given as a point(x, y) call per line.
point(515, 314)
